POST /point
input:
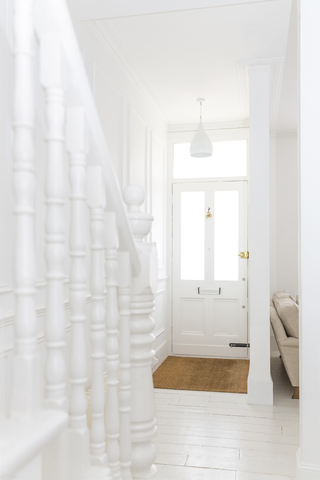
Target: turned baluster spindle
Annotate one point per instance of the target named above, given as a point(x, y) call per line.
point(51, 78)
point(96, 202)
point(77, 146)
point(143, 413)
point(112, 346)
point(26, 388)
point(51, 64)
point(124, 289)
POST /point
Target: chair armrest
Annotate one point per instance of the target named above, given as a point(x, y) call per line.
point(292, 342)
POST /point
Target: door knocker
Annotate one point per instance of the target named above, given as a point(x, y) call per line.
point(208, 214)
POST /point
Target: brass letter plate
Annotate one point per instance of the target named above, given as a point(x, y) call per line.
point(209, 291)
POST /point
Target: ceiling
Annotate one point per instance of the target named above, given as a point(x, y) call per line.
point(183, 55)
point(95, 9)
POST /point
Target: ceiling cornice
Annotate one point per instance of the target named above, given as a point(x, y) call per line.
point(111, 36)
point(99, 9)
point(276, 65)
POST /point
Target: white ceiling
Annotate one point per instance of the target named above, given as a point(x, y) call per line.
point(183, 55)
point(95, 9)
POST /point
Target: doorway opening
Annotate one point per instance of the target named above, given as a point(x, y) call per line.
point(210, 282)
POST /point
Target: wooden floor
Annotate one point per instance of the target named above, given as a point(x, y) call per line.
point(217, 436)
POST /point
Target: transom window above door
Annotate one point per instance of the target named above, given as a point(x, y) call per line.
point(229, 159)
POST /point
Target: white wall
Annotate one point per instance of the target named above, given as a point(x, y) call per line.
point(308, 459)
point(284, 214)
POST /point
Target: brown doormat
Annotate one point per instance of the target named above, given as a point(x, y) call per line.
point(203, 374)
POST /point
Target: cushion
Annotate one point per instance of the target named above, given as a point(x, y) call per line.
point(288, 312)
point(281, 294)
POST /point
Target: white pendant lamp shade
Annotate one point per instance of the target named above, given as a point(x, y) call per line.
point(201, 145)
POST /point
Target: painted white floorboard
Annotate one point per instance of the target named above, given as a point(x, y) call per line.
point(217, 436)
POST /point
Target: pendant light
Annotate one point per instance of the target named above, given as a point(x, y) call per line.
point(201, 145)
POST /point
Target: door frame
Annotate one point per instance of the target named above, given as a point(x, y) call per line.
point(223, 134)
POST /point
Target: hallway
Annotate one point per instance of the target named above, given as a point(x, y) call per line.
point(217, 436)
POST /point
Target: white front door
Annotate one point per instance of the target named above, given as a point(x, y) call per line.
point(209, 278)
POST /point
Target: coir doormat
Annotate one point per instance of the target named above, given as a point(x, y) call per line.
point(203, 374)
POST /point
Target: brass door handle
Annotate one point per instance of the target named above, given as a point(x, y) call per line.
point(243, 255)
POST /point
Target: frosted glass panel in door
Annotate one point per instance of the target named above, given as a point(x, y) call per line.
point(229, 159)
point(226, 235)
point(192, 235)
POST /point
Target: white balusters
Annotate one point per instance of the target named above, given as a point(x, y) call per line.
point(111, 420)
point(77, 148)
point(143, 420)
point(26, 373)
point(112, 347)
point(96, 201)
point(51, 79)
point(124, 288)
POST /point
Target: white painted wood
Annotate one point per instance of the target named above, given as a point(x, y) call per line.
point(96, 202)
point(113, 86)
point(308, 455)
point(143, 419)
point(55, 221)
point(260, 387)
point(51, 68)
point(238, 446)
point(77, 146)
point(206, 324)
point(124, 288)
point(26, 371)
point(26, 440)
point(276, 65)
point(112, 344)
point(5, 380)
point(161, 353)
point(52, 72)
point(6, 207)
point(57, 18)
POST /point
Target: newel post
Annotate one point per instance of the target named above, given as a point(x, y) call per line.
point(143, 413)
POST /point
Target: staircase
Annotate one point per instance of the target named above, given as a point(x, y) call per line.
point(45, 432)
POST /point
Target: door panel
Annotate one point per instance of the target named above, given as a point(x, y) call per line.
point(205, 257)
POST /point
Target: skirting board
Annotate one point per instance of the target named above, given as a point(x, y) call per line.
point(260, 391)
point(306, 472)
point(160, 355)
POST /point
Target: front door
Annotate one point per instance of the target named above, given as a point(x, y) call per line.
point(209, 276)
